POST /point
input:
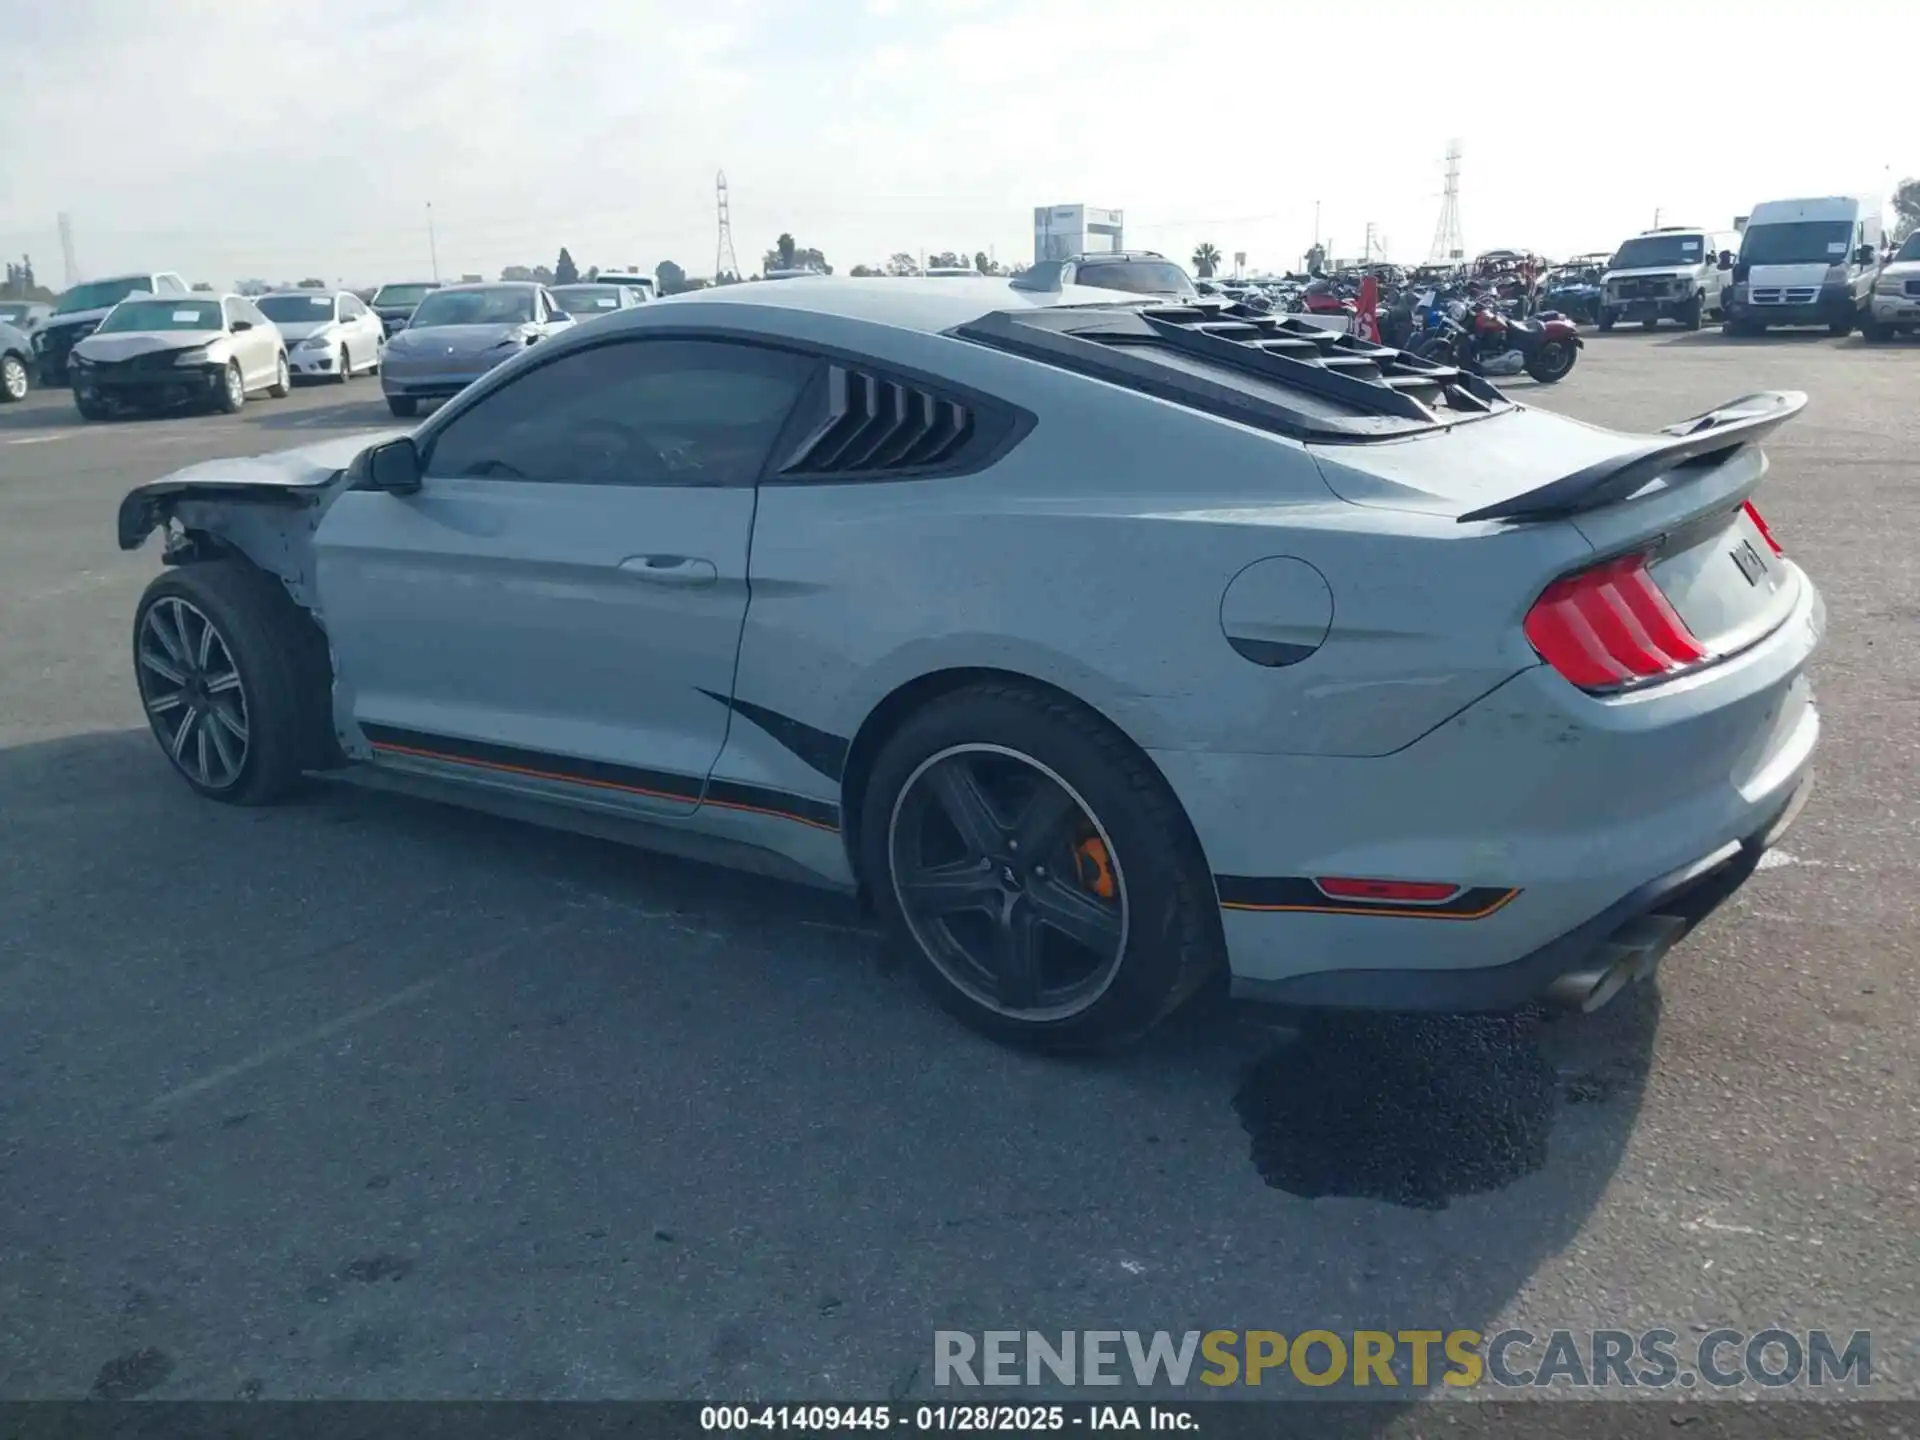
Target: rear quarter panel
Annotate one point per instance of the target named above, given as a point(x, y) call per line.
point(1094, 557)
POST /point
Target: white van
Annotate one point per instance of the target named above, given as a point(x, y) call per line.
point(1805, 262)
point(1672, 273)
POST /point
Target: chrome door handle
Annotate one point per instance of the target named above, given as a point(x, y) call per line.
point(681, 570)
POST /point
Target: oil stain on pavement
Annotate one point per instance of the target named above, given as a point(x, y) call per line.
point(1413, 1110)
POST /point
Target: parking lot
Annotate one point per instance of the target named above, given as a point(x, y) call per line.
point(362, 1097)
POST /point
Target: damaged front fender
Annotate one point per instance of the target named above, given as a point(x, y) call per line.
point(266, 507)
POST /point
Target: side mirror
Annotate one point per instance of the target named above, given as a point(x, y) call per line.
point(1866, 255)
point(1725, 261)
point(393, 467)
point(240, 325)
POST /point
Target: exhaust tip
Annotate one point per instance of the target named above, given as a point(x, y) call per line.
point(1633, 954)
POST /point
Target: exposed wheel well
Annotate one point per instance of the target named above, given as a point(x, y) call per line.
point(909, 699)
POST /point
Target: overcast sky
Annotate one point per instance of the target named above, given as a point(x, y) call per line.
point(238, 138)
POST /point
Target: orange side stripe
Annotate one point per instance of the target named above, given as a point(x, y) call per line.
point(505, 769)
point(1373, 910)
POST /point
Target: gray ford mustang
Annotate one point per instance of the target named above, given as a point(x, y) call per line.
point(1101, 645)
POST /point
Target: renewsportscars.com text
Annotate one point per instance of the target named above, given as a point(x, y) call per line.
point(1416, 1359)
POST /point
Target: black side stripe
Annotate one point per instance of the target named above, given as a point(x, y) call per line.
point(817, 749)
point(1300, 894)
point(600, 774)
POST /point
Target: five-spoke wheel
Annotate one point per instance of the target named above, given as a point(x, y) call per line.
point(1036, 867)
point(1007, 882)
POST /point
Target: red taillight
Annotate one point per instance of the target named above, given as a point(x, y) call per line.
point(1610, 626)
point(1425, 892)
point(1753, 514)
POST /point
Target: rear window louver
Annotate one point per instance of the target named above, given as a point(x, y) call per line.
point(874, 425)
point(1384, 390)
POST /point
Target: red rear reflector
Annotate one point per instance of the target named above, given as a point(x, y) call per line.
point(1342, 887)
point(1610, 626)
point(1753, 514)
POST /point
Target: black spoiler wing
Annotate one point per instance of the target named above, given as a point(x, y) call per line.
point(1704, 437)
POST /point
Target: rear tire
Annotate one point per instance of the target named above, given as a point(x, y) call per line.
point(1840, 329)
point(1552, 362)
point(1604, 319)
point(1149, 898)
point(14, 381)
point(403, 406)
point(252, 699)
point(1873, 332)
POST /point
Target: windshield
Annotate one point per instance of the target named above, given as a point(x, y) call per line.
point(474, 307)
point(1910, 250)
point(1136, 277)
point(1798, 242)
point(392, 297)
point(296, 309)
point(1646, 251)
point(586, 299)
point(179, 314)
point(99, 294)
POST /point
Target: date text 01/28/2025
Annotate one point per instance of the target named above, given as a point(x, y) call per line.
point(973, 1419)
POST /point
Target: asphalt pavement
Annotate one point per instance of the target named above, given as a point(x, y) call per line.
point(364, 1097)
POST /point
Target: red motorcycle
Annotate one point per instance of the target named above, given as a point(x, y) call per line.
point(1486, 342)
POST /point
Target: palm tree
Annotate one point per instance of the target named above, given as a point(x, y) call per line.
point(1206, 259)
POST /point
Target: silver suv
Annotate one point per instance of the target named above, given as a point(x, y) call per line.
point(78, 313)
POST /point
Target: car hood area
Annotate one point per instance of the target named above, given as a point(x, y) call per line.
point(128, 344)
point(442, 341)
point(293, 333)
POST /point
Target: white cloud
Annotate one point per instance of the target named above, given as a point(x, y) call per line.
point(276, 138)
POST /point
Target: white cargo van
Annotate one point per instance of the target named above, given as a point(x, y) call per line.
point(1805, 262)
point(1672, 273)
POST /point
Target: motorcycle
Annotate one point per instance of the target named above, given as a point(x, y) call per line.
point(1485, 342)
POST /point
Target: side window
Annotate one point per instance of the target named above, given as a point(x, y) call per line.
point(235, 308)
point(252, 312)
point(351, 308)
point(632, 412)
point(171, 285)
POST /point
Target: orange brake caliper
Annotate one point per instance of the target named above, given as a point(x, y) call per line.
point(1093, 868)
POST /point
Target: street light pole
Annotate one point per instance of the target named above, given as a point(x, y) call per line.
point(433, 245)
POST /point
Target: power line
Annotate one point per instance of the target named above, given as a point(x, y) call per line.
point(1448, 246)
point(725, 262)
point(67, 251)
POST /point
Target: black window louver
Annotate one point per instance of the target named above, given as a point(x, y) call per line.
point(875, 425)
point(1382, 390)
point(1376, 378)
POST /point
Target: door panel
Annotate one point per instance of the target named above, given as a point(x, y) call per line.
point(498, 612)
point(559, 605)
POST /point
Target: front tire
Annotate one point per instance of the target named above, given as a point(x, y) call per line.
point(1604, 319)
point(14, 382)
point(404, 406)
point(224, 662)
point(233, 390)
point(89, 409)
point(1691, 312)
point(1037, 869)
point(1873, 332)
point(1841, 328)
point(346, 365)
point(282, 381)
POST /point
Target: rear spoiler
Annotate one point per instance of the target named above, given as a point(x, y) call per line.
point(1712, 435)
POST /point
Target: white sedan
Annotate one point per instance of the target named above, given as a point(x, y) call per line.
point(329, 335)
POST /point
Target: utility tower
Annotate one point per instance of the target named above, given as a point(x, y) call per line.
point(725, 262)
point(1448, 246)
point(66, 251)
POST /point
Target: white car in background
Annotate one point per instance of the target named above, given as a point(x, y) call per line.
point(330, 335)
